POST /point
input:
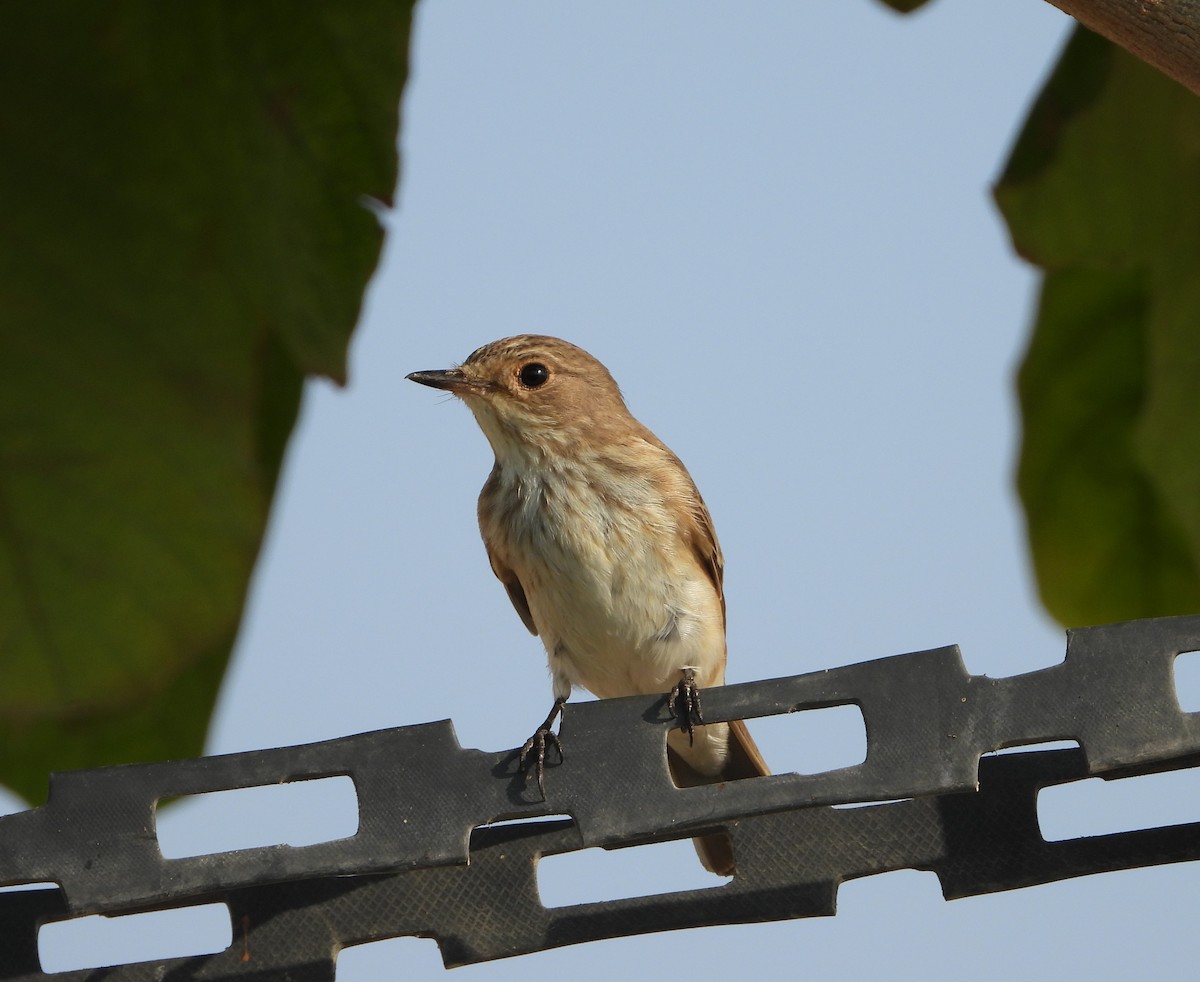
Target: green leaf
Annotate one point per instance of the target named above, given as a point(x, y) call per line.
point(186, 237)
point(1103, 192)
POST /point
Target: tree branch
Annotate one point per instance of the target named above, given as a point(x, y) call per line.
point(1163, 33)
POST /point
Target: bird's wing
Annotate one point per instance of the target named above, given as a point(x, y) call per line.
point(516, 592)
point(697, 528)
point(708, 551)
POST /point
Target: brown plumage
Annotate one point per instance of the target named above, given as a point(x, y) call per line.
point(604, 545)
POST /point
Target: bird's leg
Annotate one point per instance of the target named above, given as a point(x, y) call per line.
point(684, 702)
point(533, 754)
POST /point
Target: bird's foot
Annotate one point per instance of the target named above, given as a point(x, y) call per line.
point(533, 753)
point(684, 703)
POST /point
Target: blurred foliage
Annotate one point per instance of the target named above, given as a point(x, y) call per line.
point(1103, 193)
point(187, 236)
point(904, 6)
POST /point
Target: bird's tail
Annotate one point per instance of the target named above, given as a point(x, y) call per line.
point(742, 761)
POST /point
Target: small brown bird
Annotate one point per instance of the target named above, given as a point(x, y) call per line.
point(606, 549)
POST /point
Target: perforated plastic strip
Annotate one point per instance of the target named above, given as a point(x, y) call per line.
point(420, 795)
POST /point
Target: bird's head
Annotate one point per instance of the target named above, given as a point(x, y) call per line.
point(533, 392)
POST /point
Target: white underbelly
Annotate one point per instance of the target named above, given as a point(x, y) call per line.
point(624, 627)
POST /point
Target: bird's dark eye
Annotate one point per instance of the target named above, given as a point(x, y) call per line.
point(534, 374)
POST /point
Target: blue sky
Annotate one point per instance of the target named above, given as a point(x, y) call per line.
point(773, 224)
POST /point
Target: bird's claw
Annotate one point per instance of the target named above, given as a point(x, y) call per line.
point(684, 702)
point(533, 753)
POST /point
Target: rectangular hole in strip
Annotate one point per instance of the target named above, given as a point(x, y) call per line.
point(97, 941)
point(298, 813)
point(594, 875)
point(1096, 807)
point(1187, 681)
point(811, 741)
point(516, 829)
point(870, 804)
point(528, 820)
point(22, 887)
point(1026, 748)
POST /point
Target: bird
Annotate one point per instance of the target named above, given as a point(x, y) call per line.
point(607, 551)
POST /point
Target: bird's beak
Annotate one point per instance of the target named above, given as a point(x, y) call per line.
point(450, 379)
